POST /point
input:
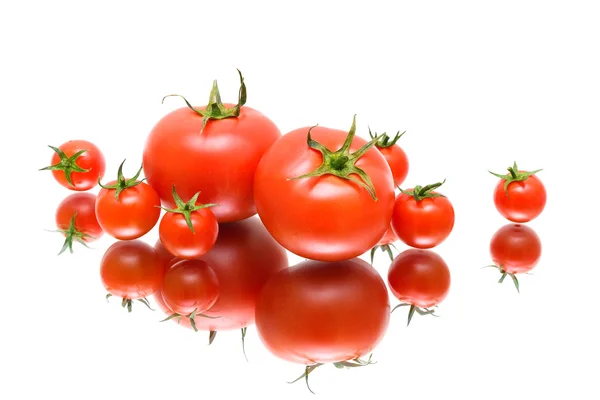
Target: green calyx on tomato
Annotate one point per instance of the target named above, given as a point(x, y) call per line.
point(66, 164)
point(418, 310)
point(341, 162)
point(187, 208)
point(424, 192)
point(71, 233)
point(355, 362)
point(386, 248)
point(215, 108)
point(384, 140)
point(514, 176)
point(191, 316)
point(123, 183)
point(504, 274)
point(128, 303)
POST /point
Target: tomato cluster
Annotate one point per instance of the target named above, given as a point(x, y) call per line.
point(230, 194)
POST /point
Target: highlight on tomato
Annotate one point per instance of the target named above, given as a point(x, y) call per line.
point(316, 313)
point(77, 165)
point(324, 194)
point(519, 196)
point(422, 217)
point(131, 270)
point(515, 249)
point(394, 155)
point(127, 209)
point(420, 279)
point(76, 220)
point(212, 149)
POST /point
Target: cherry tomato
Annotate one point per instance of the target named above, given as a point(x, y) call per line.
point(324, 194)
point(131, 270)
point(77, 165)
point(516, 248)
point(217, 159)
point(76, 220)
point(422, 218)
point(127, 208)
point(520, 196)
point(385, 244)
point(394, 155)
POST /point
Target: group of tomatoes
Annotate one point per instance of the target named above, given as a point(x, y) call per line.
point(236, 194)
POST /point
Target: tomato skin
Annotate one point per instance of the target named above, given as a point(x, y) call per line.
point(322, 218)
point(93, 159)
point(132, 215)
point(131, 270)
point(419, 277)
point(166, 258)
point(190, 285)
point(422, 224)
point(398, 162)
point(389, 237)
point(84, 205)
point(319, 312)
point(524, 202)
point(180, 241)
point(219, 162)
point(516, 248)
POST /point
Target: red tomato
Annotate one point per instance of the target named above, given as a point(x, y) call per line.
point(76, 220)
point(218, 160)
point(419, 278)
point(425, 221)
point(520, 196)
point(394, 155)
point(324, 216)
point(166, 258)
point(516, 248)
point(319, 312)
point(77, 165)
point(127, 208)
point(131, 270)
point(385, 244)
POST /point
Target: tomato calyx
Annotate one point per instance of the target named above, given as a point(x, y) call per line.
point(190, 316)
point(215, 108)
point(386, 248)
point(341, 162)
point(128, 303)
point(123, 183)
point(66, 164)
point(352, 363)
point(244, 342)
point(187, 208)
point(505, 274)
point(211, 337)
point(514, 175)
point(413, 309)
point(71, 234)
point(384, 140)
point(424, 192)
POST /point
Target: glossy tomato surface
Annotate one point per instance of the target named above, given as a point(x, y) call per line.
point(92, 160)
point(398, 162)
point(523, 201)
point(516, 248)
point(178, 238)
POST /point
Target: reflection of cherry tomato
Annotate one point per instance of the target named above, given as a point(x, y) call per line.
point(77, 165)
point(516, 248)
point(76, 219)
point(318, 312)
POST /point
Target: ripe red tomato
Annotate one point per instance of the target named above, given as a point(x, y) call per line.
point(217, 160)
point(520, 196)
point(324, 204)
point(516, 248)
point(77, 165)
point(385, 244)
point(394, 155)
point(318, 312)
point(127, 208)
point(419, 278)
point(76, 220)
point(131, 270)
point(422, 218)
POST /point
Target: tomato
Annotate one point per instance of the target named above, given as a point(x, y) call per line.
point(385, 244)
point(394, 155)
point(321, 204)
point(166, 258)
point(127, 208)
point(218, 159)
point(190, 230)
point(131, 270)
point(519, 196)
point(420, 279)
point(77, 165)
point(76, 220)
point(321, 312)
point(422, 218)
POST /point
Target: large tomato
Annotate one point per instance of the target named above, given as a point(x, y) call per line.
point(318, 312)
point(218, 159)
point(328, 196)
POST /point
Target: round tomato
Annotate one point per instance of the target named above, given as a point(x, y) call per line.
point(131, 270)
point(323, 204)
point(77, 165)
point(422, 218)
point(127, 208)
point(320, 312)
point(76, 220)
point(516, 248)
point(213, 150)
point(394, 155)
point(420, 279)
point(520, 196)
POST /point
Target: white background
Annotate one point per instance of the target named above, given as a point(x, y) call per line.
point(476, 85)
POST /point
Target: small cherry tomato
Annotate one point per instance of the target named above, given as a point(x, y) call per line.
point(394, 155)
point(76, 220)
